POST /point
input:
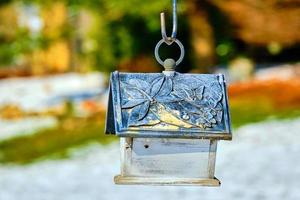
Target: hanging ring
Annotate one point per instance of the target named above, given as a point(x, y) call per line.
point(169, 40)
point(156, 51)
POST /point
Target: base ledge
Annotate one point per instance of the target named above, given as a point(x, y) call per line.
point(129, 180)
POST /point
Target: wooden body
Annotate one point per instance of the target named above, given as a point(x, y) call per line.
point(162, 161)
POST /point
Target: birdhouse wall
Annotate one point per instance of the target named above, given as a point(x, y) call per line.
point(168, 158)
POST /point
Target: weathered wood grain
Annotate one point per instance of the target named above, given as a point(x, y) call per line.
point(125, 149)
point(214, 182)
point(212, 158)
point(177, 158)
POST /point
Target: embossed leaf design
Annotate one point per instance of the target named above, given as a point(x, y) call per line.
point(213, 121)
point(133, 92)
point(134, 115)
point(133, 102)
point(211, 101)
point(166, 88)
point(217, 98)
point(168, 99)
point(138, 113)
point(219, 107)
point(149, 120)
point(139, 83)
point(190, 108)
point(144, 110)
point(156, 86)
point(199, 92)
point(186, 103)
point(183, 91)
point(200, 121)
point(216, 94)
point(219, 116)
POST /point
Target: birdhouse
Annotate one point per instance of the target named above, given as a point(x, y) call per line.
point(169, 125)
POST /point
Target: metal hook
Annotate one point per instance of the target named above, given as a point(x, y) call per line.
point(169, 40)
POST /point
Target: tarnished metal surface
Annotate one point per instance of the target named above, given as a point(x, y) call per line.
point(168, 105)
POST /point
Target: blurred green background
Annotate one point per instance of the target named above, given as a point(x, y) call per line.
point(107, 35)
point(40, 38)
point(58, 55)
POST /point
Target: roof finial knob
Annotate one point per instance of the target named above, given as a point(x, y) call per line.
point(169, 65)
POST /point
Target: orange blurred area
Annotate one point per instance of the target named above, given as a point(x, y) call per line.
point(280, 93)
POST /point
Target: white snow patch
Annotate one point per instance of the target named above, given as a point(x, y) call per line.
point(24, 126)
point(262, 162)
point(34, 93)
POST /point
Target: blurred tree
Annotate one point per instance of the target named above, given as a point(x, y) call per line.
point(267, 31)
point(109, 34)
point(263, 22)
point(55, 56)
point(126, 33)
point(8, 24)
point(4, 2)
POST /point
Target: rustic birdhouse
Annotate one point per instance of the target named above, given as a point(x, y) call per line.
point(169, 125)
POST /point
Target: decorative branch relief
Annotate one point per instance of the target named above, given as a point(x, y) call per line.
point(181, 101)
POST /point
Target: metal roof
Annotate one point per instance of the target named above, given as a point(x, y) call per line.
point(168, 105)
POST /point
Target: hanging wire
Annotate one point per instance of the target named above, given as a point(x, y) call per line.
point(169, 40)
